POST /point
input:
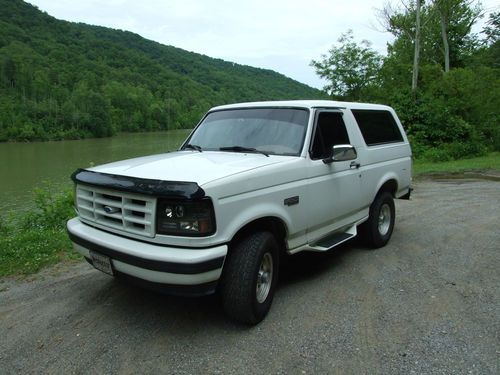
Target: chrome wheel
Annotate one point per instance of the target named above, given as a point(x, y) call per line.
point(264, 277)
point(384, 219)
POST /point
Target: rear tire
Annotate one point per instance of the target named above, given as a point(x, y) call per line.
point(377, 230)
point(249, 278)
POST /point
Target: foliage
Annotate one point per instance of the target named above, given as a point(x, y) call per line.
point(489, 53)
point(453, 114)
point(349, 67)
point(459, 16)
point(32, 240)
point(52, 210)
point(456, 108)
point(492, 28)
point(66, 80)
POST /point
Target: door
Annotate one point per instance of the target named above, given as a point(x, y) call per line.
point(334, 188)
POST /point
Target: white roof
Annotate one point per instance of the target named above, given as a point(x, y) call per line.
point(305, 104)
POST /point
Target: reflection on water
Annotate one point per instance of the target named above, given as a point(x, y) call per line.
point(24, 166)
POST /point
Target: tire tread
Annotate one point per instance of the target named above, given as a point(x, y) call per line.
point(237, 288)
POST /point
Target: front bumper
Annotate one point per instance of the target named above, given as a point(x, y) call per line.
point(176, 270)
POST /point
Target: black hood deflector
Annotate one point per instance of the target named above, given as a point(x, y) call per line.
point(157, 188)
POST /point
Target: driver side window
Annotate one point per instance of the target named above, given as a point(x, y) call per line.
point(330, 130)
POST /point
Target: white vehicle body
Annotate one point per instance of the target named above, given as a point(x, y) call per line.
point(305, 199)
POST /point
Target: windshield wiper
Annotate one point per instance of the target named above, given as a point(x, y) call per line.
point(243, 149)
point(193, 147)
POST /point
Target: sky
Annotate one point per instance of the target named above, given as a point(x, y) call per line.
point(281, 35)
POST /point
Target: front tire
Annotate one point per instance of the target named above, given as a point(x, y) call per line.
point(249, 278)
point(377, 230)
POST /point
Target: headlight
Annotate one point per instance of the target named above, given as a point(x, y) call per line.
point(185, 218)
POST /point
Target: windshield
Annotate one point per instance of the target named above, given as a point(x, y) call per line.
point(275, 131)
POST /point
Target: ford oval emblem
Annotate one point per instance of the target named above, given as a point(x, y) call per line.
point(110, 210)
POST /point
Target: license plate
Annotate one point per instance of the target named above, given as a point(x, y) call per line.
point(101, 262)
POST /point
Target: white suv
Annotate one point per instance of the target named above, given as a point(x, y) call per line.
point(252, 183)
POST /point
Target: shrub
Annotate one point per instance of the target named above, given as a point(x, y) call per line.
point(30, 241)
point(52, 210)
point(453, 151)
point(437, 154)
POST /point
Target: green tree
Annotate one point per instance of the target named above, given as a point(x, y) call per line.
point(456, 18)
point(492, 29)
point(489, 53)
point(93, 111)
point(9, 72)
point(349, 67)
point(446, 36)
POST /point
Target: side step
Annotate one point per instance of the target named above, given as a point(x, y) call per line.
point(333, 240)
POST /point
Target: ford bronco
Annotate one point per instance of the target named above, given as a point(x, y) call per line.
point(252, 183)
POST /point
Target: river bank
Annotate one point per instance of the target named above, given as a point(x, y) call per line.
point(26, 166)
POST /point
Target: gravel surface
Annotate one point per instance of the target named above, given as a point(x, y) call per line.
point(427, 303)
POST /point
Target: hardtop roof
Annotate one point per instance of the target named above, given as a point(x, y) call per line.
point(309, 104)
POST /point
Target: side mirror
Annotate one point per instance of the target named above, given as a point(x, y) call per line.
point(341, 153)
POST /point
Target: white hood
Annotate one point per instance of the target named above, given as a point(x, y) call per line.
point(189, 166)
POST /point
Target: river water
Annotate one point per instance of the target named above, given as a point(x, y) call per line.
point(24, 166)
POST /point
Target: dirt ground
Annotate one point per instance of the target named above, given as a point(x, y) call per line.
point(427, 303)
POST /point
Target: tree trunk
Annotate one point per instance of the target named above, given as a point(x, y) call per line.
point(416, 56)
point(444, 36)
point(446, 46)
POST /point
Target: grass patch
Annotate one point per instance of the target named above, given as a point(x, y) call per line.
point(26, 252)
point(490, 161)
point(36, 239)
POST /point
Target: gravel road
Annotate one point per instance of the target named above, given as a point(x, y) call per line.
point(427, 303)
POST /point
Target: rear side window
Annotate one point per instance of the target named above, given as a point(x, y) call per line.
point(377, 127)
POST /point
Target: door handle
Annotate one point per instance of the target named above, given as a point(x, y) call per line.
point(354, 165)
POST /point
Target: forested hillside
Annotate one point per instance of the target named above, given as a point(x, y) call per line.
point(70, 80)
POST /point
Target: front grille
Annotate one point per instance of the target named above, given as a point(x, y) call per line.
point(127, 212)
